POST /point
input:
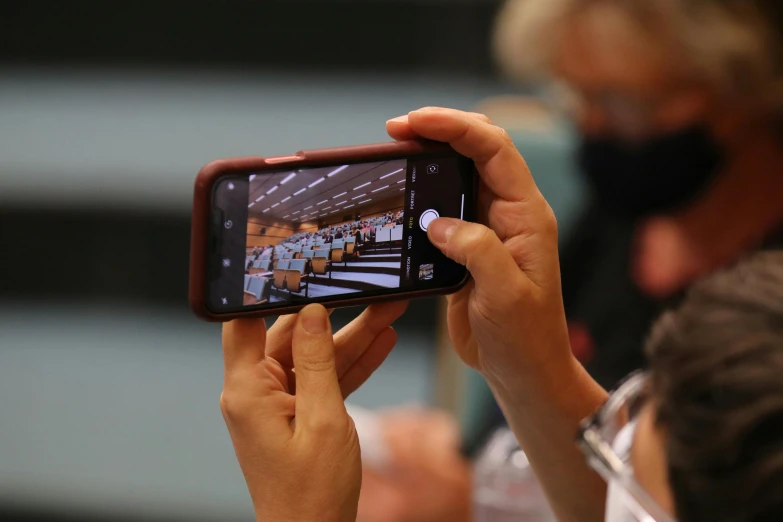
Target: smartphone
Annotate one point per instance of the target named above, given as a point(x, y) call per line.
point(340, 227)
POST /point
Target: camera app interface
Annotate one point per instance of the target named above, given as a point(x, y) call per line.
point(319, 234)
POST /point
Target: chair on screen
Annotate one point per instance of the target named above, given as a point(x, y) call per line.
point(396, 233)
point(257, 287)
point(247, 281)
point(382, 234)
point(308, 254)
point(295, 279)
point(288, 255)
point(255, 267)
point(279, 273)
point(350, 245)
point(337, 251)
point(264, 265)
point(266, 257)
point(319, 263)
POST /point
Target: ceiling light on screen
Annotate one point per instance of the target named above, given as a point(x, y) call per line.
point(289, 215)
point(390, 174)
point(295, 213)
point(333, 211)
point(288, 178)
point(308, 208)
point(250, 205)
point(271, 190)
point(327, 208)
point(401, 181)
point(378, 189)
point(362, 185)
point(403, 188)
point(276, 204)
point(322, 202)
point(259, 198)
point(363, 202)
point(341, 203)
point(285, 199)
point(316, 182)
point(337, 171)
point(359, 196)
point(252, 177)
point(347, 206)
point(341, 194)
point(266, 210)
point(299, 191)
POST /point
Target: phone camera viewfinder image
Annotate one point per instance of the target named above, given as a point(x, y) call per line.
point(338, 231)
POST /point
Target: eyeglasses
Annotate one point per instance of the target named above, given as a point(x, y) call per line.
point(605, 439)
point(628, 116)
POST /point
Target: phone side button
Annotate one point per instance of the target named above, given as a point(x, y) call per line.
point(284, 159)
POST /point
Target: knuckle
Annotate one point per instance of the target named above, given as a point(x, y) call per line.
point(478, 236)
point(549, 220)
point(483, 117)
point(517, 291)
point(229, 405)
point(504, 137)
point(314, 363)
point(328, 425)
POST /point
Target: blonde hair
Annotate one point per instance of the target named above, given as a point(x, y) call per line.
point(733, 46)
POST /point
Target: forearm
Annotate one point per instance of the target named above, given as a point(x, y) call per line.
point(544, 412)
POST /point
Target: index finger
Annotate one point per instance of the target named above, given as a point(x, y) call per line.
point(278, 339)
point(497, 159)
point(243, 342)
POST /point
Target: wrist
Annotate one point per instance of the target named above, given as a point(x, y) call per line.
point(276, 516)
point(299, 510)
point(548, 379)
point(566, 389)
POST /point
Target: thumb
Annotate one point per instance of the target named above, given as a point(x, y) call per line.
point(479, 249)
point(318, 395)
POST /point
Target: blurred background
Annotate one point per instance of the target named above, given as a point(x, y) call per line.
point(108, 385)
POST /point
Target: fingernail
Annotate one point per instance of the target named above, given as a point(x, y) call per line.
point(441, 230)
point(398, 119)
point(314, 319)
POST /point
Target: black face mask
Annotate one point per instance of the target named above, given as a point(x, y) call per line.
point(660, 174)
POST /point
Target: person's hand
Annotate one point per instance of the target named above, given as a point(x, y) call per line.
point(426, 478)
point(508, 323)
point(283, 404)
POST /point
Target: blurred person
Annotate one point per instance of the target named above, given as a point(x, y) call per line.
point(423, 477)
point(697, 438)
point(678, 107)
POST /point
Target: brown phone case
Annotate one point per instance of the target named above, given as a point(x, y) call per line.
point(202, 203)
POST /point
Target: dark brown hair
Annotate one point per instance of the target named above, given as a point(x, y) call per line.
point(717, 370)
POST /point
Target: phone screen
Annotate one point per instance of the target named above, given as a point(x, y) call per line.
point(333, 232)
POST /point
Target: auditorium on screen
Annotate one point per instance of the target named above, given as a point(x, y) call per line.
point(324, 231)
